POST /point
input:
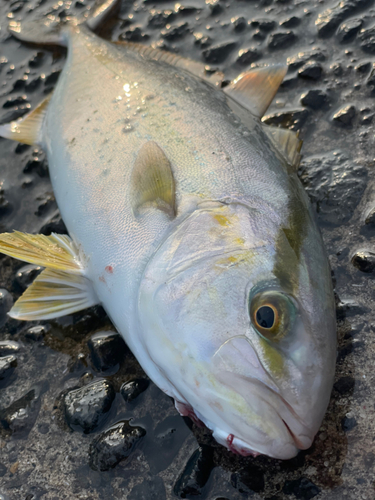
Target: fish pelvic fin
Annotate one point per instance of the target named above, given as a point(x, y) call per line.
point(56, 251)
point(27, 129)
point(255, 89)
point(287, 143)
point(62, 288)
point(152, 180)
point(53, 294)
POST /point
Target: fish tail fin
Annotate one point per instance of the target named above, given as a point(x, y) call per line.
point(62, 288)
point(48, 29)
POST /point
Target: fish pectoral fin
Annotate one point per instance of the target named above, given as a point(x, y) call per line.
point(28, 128)
point(53, 294)
point(56, 251)
point(287, 143)
point(255, 89)
point(195, 68)
point(152, 180)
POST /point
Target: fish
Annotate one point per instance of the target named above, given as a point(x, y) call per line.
point(187, 222)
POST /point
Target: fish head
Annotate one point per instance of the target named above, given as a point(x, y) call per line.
point(242, 327)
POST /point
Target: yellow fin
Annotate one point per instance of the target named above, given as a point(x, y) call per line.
point(196, 68)
point(28, 128)
point(255, 89)
point(287, 143)
point(56, 251)
point(152, 180)
point(54, 294)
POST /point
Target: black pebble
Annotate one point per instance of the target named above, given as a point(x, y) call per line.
point(88, 406)
point(314, 99)
point(345, 115)
point(15, 101)
point(218, 53)
point(52, 78)
point(7, 364)
point(195, 474)
point(298, 60)
point(132, 389)
point(370, 217)
point(54, 224)
point(248, 480)
point(281, 40)
point(133, 34)
point(36, 332)
point(288, 119)
point(9, 347)
point(107, 349)
point(36, 60)
point(367, 38)
point(6, 302)
point(174, 32)
point(302, 488)
point(347, 424)
point(248, 56)
point(160, 18)
point(345, 385)
point(263, 24)
point(290, 22)
point(349, 29)
point(26, 275)
point(20, 416)
point(239, 24)
point(311, 70)
point(113, 445)
point(364, 260)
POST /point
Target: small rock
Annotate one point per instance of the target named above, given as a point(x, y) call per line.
point(52, 78)
point(239, 23)
point(215, 7)
point(345, 385)
point(36, 60)
point(329, 20)
point(218, 53)
point(259, 35)
point(37, 165)
point(202, 40)
point(54, 224)
point(371, 78)
point(263, 24)
point(15, 101)
point(37, 332)
point(88, 406)
point(370, 217)
point(367, 38)
point(345, 115)
point(26, 275)
point(160, 18)
point(9, 347)
point(6, 303)
point(290, 22)
point(107, 349)
point(349, 29)
point(248, 480)
point(248, 56)
point(186, 9)
point(113, 445)
point(20, 416)
point(132, 389)
point(173, 32)
point(7, 364)
point(363, 67)
point(314, 99)
point(195, 474)
point(301, 488)
point(281, 40)
point(133, 34)
point(288, 119)
point(348, 423)
point(311, 70)
point(364, 260)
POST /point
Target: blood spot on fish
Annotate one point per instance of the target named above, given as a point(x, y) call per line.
point(109, 269)
point(230, 440)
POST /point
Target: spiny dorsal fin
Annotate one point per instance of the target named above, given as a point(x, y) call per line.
point(56, 251)
point(152, 180)
point(287, 143)
point(255, 89)
point(54, 294)
point(194, 67)
point(27, 129)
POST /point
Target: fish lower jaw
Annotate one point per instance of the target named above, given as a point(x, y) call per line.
point(238, 447)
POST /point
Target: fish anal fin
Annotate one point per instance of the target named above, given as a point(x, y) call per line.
point(28, 128)
point(152, 180)
point(255, 89)
point(56, 251)
point(287, 143)
point(195, 68)
point(54, 294)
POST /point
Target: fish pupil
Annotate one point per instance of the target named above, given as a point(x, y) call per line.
point(265, 317)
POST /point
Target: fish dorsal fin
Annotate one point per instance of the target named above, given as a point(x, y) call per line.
point(287, 143)
point(194, 67)
point(56, 251)
point(27, 129)
point(255, 89)
point(152, 180)
point(54, 294)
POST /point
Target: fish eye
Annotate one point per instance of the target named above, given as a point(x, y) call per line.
point(272, 314)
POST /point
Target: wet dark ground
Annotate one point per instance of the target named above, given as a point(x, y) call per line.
point(77, 422)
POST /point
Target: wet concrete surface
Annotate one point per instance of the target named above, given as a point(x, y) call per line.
point(328, 94)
